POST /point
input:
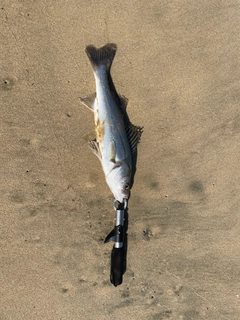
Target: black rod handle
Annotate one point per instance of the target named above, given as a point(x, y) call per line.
point(117, 266)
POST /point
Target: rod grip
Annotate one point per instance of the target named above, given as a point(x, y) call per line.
point(117, 266)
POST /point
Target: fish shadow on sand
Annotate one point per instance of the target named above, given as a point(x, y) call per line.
point(125, 243)
point(116, 271)
point(134, 167)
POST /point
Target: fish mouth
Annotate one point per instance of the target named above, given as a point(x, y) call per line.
point(121, 194)
point(120, 199)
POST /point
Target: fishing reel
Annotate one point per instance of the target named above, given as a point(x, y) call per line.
point(119, 236)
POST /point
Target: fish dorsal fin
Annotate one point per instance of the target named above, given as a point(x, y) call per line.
point(133, 132)
point(134, 135)
point(89, 101)
point(112, 152)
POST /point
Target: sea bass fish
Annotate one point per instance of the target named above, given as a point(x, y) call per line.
point(116, 137)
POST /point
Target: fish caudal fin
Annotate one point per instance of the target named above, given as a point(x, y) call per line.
point(101, 56)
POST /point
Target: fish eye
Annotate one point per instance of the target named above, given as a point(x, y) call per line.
point(127, 186)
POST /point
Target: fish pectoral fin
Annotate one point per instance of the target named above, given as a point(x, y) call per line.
point(134, 135)
point(112, 152)
point(94, 146)
point(89, 101)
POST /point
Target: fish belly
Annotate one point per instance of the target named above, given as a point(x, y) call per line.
point(110, 130)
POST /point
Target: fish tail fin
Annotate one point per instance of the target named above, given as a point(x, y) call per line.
point(101, 56)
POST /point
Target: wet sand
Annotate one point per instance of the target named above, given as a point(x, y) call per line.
point(178, 64)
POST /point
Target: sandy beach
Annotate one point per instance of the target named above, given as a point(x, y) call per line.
point(178, 64)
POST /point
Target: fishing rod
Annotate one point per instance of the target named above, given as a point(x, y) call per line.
point(119, 236)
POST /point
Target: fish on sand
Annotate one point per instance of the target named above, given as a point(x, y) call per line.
point(116, 137)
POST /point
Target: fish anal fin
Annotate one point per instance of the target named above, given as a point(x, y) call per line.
point(94, 146)
point(89, 101)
